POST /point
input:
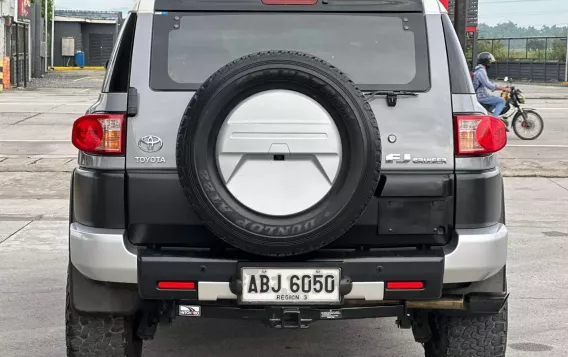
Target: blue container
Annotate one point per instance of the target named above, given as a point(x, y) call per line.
point(80, 59)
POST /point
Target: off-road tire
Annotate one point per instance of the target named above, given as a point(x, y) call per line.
point(312, 228)
point(467, 336)
point(96, 335)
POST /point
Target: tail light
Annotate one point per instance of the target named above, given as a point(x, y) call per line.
point(405, 285)
point(176, 285)
point(479, 134)
point(100, 133)
point(289, 2)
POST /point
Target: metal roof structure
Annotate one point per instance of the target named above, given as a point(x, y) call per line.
point(87, 16)
point(472, 12)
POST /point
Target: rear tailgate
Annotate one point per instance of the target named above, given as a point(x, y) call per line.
point(379, 51)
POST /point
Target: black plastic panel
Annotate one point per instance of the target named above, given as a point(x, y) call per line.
point(409, 185)
point(94, 297)
point(418, 208)
point(98, 198)
point(157, 198)
point(426, 266)
point(415, 216)
point(479, 199)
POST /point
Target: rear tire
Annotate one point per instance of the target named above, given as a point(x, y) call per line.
point(470, 335)
point(100, 335)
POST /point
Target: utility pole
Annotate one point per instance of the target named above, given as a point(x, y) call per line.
point(460, 21)
point(46, 24)
point(566, 66)
point(52, 33)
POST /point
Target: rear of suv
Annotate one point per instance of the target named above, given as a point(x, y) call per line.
point(287, 161)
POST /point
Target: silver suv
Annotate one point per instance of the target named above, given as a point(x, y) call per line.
point(288, 161)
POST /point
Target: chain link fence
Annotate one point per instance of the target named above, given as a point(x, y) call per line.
point(539, 59)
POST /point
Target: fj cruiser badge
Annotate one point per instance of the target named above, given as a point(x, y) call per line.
point(407, 158)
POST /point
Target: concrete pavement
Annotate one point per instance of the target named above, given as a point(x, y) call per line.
point(33, 259)
point(35, 127)
point(35, 163)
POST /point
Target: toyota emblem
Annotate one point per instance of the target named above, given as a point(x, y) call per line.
point(150, 143)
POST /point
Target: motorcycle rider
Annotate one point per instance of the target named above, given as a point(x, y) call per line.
point(481, 83)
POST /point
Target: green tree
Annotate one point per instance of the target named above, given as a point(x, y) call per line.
point(49, 7)
point(510, 29)
point(497, 47)
point(536, 47)
point(558, 50)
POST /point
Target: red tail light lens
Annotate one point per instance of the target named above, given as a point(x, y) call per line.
point(176, 285)
point(289, 2)
point(99, 133)
point(405, 285)
point(479, 134)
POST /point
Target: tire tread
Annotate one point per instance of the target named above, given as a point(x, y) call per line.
point(90, 335)
point(468, 336)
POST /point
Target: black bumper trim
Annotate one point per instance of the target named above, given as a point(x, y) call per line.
point(98, 198)
point(485, 303)
point(478, 199)
point(93, 297)
point(426, 266)
point(283, 317)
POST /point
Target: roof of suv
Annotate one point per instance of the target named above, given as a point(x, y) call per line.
point(430, 6)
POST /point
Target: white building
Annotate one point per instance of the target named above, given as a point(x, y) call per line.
point(15, 39)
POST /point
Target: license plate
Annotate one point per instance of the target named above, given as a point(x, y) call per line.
point(290, 285)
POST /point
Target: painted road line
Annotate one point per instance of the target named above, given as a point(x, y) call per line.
point(80, 79)
point(43, 103)
point(42, 156)
point(34, 141)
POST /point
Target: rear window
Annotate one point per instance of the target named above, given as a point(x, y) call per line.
point(377, 51)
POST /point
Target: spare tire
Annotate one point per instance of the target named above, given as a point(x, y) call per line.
point(286, 119)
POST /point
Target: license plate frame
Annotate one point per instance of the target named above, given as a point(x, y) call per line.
point(307, 269)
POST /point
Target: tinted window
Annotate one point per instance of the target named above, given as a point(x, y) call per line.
point(376, 51)
point(118, 74)
point(460, 79)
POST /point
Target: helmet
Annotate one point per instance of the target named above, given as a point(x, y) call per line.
point(485, 58)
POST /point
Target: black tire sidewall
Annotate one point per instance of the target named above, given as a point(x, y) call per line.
point(252, 231)
point(518, 116)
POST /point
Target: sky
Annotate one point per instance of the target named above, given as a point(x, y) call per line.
point(491, 12)
point(524, 12)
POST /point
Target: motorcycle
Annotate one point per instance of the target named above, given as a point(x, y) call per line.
point(527, 123)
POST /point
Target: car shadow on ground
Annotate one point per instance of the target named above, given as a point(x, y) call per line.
point(195, 338)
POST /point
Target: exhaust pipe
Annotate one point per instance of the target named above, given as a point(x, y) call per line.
point(449, 303)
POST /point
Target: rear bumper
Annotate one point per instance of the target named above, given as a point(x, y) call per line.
point(104, 255)
point(362, 278)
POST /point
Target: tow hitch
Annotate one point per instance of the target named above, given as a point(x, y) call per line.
point(289, 318)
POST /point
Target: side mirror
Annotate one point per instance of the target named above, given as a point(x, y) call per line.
point(106, 64)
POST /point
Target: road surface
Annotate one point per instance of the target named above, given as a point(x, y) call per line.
point(36, 159)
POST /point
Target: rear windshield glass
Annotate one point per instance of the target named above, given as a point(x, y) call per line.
point(384, 51)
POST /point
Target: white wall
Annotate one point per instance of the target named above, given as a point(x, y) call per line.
point(2, 41)
point(7, 8)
